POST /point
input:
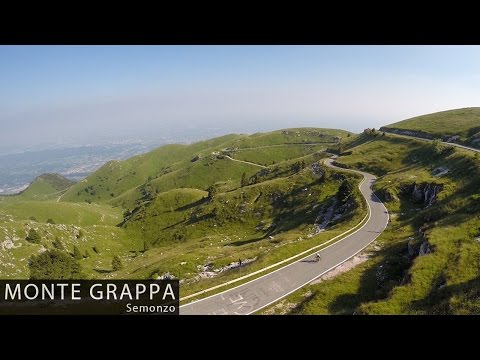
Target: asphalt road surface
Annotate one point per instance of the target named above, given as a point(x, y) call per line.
point(256, 294)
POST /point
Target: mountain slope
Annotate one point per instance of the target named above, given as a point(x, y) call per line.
point(190, 166)
point(427, 261)
point(459, 125)
point(260, 198)
point(46, 186)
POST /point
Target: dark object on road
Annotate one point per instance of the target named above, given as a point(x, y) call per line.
point(239, 262)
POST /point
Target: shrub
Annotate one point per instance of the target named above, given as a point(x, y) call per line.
point(54, 265)
point(33, 236)
point(117, 263)
point(76, 253)
point(57, 244)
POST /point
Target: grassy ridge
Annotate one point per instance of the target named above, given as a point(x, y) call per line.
point(272, 155)
point(46, 187)
point(116, 177)
point(172, 166)
point(463, 122)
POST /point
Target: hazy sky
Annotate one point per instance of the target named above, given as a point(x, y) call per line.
point(58, 93)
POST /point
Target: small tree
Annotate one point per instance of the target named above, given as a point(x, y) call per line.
point(57, 244)
point(54, 265)
point(33, 236)
point(146, 246)
point(345, 191)
point(244, 181)
point(117, 263)
point(212, 191)
point(76, 253)
point(437, 146)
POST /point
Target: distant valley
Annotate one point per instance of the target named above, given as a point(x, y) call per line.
point(75, 163)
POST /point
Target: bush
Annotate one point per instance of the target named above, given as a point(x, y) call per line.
point(57, 244)
point(76, 253)
point(117, 263)
point(33, 236)
point(50, 221)
point(54, 265)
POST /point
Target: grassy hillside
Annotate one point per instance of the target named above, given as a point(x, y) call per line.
point(462, 122)
point(272, 217)
point(182, 209)
point(97, 245)
point(116, 177)
point(61, 213)
point(290, 136)
point(194, 166)
point(427, 261)
point(46, 186)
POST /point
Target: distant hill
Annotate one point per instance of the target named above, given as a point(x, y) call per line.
point(460, 125)
point(196, 165)
point(45, 185)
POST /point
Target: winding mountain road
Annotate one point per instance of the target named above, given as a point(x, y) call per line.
point(258, 293)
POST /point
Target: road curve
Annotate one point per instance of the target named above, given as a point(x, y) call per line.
point(256, 294)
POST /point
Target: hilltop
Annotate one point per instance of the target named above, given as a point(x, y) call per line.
point(46, 186)
point(460, 125)
point(198, 165)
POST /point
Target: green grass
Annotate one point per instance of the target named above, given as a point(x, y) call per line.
point(290, 136)
point(272, 155)
point(117, 177)
point(463, 122)
point(444, 281)
point(61, 213)
point(187, 228)
point(46, 187)
point(172, 166)
point(107, 240)
point(153, 210)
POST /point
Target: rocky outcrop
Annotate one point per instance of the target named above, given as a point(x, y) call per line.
point(440, 171)
point(411, 247)
point(425, 248)
point(324, 217)
point(425, 193)
point(317, 169)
